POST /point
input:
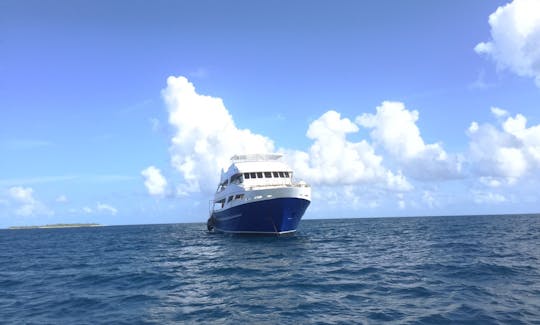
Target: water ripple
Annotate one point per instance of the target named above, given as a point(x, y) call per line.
point(482, 270)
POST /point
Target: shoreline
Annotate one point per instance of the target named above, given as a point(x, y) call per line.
point(60, 225)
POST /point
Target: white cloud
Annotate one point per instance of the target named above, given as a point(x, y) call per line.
point(481, 197)
point(27, 204)
point(429, 199)
point(61, 199)
point(401, 204)
point(333, 160)
point(490, 181)
point(21, 194)
point(508, 152)
point(528, 138)
point(155, 183)
point(515, 38)
point(499, 112)
point(344, 199)
point(394, 128)
point(473, 127)
point(99, 207)
point(345, 170)
point(106, 208)
point(494, 153)
point(205, 137)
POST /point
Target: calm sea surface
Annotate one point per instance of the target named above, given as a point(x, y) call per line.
point(434, 270)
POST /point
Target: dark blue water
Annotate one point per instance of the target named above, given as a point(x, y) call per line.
point(478, 270)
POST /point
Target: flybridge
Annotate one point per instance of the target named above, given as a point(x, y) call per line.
point(256, 157)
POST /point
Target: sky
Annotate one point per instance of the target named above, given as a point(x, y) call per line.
point(124, 112)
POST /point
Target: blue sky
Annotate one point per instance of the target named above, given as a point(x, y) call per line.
point(84, 107)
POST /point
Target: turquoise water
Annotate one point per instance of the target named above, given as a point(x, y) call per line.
point(432, 270)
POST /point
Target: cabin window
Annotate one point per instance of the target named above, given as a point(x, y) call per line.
point(239, 196)
point(246, 175)
point(222, 186)
point(281, 174)
point(276, 174)
point(219, 204)
point(259, 175)
point(253, 175)
point(236, 179)
point(268, 174)
point(286, 174)
point(230, 198)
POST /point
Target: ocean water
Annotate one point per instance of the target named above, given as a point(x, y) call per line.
point(431, 270)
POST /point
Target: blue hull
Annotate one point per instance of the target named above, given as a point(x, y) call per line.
point(279, 215)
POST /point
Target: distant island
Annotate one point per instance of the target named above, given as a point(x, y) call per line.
point(58, 225)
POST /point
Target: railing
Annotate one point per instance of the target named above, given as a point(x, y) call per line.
point(256, 157)
point(256, 186)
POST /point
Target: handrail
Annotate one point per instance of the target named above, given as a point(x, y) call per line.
point(279, 185)
point(256, 157)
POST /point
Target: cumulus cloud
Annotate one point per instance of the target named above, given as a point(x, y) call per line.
point(401, 202)
point(344, 199)
point(102, 207)
point(205, 136)
point(27, 204)
point(490, 181)
point(87, 210)
point(22, 194)
point(506, 153)
point(429, 199)
point(332, 159)
point(515, 38)
point(498, 112)
point(98, 208)
point(481, 197)
point(155, 183)
point(394, 128)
